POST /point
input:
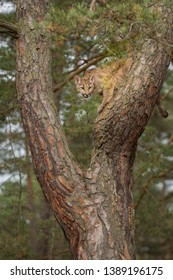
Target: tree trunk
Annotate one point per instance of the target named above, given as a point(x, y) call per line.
point(94, 208)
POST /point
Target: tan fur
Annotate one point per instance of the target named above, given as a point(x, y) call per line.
point(103, 80)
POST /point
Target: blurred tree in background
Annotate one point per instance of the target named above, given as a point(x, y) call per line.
point(82, 36)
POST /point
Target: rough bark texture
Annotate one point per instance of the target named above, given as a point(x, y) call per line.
point(94, 208)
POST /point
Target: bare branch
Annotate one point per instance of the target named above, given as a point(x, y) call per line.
point(9, 29)
point(161, 107)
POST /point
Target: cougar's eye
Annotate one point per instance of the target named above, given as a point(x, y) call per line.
point(82, 87)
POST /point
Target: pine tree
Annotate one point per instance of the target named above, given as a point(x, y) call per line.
point(94, 207)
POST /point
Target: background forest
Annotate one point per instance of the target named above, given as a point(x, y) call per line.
point(28, 229)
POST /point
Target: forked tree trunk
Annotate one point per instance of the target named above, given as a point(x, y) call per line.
point(94, 208)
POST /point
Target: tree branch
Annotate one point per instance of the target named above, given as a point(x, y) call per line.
point(9, 29)
point(77, 71)
point(150, 179)
point(161, 107)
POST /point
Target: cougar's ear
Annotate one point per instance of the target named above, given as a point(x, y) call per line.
point(92, 79)
point(77, 79)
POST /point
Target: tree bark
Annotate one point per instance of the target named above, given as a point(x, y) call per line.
point(94, 208)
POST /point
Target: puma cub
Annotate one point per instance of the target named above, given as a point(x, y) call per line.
point(103, 80)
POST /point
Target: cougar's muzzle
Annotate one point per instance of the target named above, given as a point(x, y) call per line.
point(85, 95)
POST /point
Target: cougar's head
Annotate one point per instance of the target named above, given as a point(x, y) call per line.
point(84, 85)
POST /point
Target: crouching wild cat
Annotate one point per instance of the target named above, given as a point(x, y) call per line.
point(103, 80)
